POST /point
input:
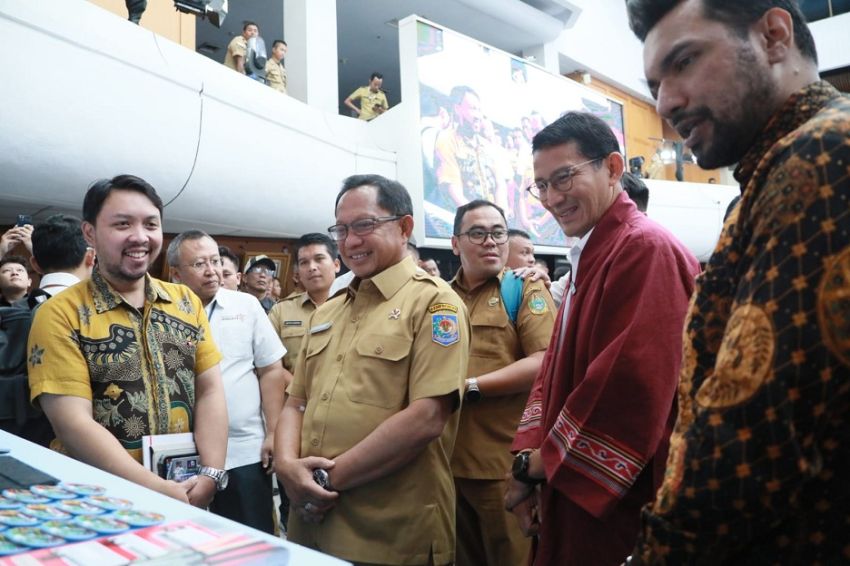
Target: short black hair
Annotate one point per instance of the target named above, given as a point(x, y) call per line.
point(513, 232)
point(101, 189)
point(590, 133)
point(15, 259)
point(375, 75)
point(472, 205)
point(172, 255)
point(636, 189)
point(315, 238)
point(392, 196)
point(249, 23)
point(58, 243)
point(276, 41)
point(224, 251)
point(738, 15)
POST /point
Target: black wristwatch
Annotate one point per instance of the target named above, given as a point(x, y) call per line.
point(322, 478)
point(472, 393)
point(519, 470)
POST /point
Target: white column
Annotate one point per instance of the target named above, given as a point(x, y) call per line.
point(311, 61)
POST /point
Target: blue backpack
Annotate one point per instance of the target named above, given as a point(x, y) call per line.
point(511, 290)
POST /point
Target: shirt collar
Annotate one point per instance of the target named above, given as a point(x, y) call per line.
point(107, 298)
point(59, 279)
point(797, 110)
point(390, 280)
point(457, 280)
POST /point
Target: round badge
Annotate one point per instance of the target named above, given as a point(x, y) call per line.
point(8, 547)
point(110, 503)
point(67, 530)
point(53, 492)
point(15, 518)
point(33, 537)
point(79, 507)
point(6, 503)
point(139, 518)
point(24, 496)
point(83, 488)
point(46, 512)
point(102, 525)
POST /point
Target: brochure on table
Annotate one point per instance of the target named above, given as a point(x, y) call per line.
point(179, 517)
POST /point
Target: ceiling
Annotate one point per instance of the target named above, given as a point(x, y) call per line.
point(367, 35)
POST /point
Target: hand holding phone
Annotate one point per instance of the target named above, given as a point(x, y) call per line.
point(24, 220)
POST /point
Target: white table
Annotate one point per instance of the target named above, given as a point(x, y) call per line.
point(70, 470)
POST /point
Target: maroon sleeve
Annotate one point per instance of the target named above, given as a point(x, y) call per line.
point(615, 419)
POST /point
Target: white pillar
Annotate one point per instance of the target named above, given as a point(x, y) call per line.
point(311, 61)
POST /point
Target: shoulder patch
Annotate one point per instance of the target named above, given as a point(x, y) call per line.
point(442, 307)
point(444, 329)
point(537, 305)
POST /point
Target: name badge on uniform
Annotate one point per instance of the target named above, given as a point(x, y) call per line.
point(292, 323)
point(444, 326)
point(321, 327)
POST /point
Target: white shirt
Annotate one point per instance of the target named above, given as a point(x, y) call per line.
point(247, 340)
point(575, 256)
point(55, 283)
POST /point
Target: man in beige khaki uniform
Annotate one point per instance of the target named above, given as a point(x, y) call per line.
point(316, 267)
point(367, 432)
point(275, 71)
point(505, 357)
point(237, 49)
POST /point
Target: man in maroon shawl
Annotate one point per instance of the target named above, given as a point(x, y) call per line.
point(592, 442)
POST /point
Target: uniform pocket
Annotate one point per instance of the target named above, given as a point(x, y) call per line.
point(379, 373)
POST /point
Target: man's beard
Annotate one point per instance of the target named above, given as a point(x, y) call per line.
point(734, 135)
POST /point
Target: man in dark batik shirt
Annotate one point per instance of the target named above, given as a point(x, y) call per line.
point(759, 456)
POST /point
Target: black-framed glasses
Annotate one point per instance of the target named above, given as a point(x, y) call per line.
point(479, 235)
point(360, 227)
point(560, 182)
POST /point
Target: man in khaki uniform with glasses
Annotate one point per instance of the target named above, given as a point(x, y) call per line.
point(365, 438)
point(505, 356)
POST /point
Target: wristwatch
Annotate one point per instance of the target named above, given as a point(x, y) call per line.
point(220, 477)
point(519, 470)
point(472, 393)
point(322, 478)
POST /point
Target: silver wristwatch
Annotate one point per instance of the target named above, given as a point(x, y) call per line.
point(220, 477)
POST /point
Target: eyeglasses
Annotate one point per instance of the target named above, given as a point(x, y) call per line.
point(203, 264)
point(479, 236)
point(362, 227)
point(261, 271)
point(560, 182)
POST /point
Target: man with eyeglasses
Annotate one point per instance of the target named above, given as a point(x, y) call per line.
point(365, 437)
point(253, 376)
point(505, 356)
point(592, 442)
point(257, 279)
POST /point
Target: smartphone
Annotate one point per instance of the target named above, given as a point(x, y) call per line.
point(24, 219)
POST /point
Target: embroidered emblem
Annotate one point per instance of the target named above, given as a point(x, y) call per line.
point(537, 305)
point(744, 360)
point(493, 301)
point(394, 314)
point(113, 391)
point(442, 307)
point(36, 355)
point(292, 323)
point(134, 427)
point(444, 329)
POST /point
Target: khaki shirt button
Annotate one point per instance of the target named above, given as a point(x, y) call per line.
point(339, 358)
point(325, 396)
point(315, 442)
point(353, 319)
point(379, 350)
